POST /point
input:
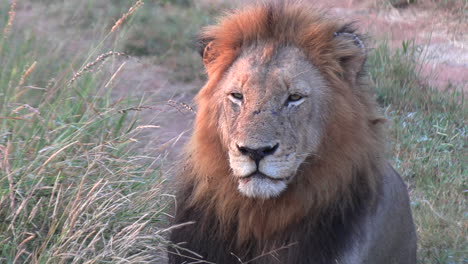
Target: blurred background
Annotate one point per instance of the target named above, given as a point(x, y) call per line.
point(96, 104)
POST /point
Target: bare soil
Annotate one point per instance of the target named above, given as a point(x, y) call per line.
point(440, 32)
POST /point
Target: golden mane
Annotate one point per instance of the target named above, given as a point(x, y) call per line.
point(350, 157)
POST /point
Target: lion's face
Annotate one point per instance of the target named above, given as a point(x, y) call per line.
point(272, 118)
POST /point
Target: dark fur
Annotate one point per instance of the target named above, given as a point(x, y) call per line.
point(308, 242)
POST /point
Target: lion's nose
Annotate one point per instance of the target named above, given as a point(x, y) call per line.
point(258, 153)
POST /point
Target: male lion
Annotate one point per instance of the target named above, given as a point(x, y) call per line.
point(286, 163)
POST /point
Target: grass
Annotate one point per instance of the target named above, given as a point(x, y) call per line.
point(428, 136)
point(75, 189)
point(161, 32)
point(173, 44)
point(72, 189)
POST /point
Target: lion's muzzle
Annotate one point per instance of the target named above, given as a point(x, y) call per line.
point(262, 172)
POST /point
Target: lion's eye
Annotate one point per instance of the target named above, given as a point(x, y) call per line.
point(237, 96)
point(294, 98)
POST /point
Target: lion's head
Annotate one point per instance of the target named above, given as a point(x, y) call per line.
point(285, 123)
point(273, 113)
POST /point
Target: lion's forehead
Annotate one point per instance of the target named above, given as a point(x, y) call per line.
point(265, 77)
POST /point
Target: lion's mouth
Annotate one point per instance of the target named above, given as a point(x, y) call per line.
point(260, 175)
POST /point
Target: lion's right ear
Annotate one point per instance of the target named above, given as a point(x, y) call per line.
point(206, 50)
point(352, 52)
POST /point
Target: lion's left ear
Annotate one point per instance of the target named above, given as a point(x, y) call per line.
point(206, 49)
point(351, 53)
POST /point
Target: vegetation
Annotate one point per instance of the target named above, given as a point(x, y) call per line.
point(428, 139)
point(74, 188)
point(173, 44)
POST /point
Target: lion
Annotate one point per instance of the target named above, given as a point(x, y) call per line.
point(286, 163)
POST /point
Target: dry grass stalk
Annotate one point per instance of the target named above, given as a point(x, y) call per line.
point(26, 74)
point(272, 252)
point(23, 80)
point(178, 106)
point(41, 169)
point(18, 255)
point(126, 15)
point(4, 153)
point(147, 126)
point(90, 65)
point(11, 18)
point(115, 74)
point(26, 106)
point(135, 108)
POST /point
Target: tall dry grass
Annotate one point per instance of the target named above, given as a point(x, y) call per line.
point(72, 187)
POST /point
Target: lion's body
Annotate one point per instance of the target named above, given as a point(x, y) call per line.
point(286, 162)
point(366, 234)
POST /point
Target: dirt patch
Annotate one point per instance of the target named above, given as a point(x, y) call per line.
point(166, 115)
point(441, 35)
point(440, 31)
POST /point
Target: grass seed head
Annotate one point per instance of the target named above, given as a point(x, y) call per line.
point(90, 65)
point(126, 15)
point(11, 18)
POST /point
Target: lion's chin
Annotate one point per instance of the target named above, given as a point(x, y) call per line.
point(261, 187)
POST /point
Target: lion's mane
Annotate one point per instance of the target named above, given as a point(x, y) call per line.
point(342, 178)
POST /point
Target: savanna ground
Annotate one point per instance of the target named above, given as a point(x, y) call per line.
point(95, 105)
